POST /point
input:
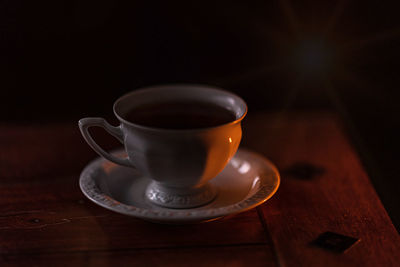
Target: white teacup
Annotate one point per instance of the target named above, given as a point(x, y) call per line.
point(179, 161)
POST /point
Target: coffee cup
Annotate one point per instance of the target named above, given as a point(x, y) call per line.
point(180, 136)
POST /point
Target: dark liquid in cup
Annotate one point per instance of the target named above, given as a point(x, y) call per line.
point(180, 115)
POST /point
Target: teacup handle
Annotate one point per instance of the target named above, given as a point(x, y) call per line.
point(86, 123)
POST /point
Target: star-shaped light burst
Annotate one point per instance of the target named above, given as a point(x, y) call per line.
point(313, 50)
point(312, 57)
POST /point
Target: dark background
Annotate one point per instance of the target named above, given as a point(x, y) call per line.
point(63, 60)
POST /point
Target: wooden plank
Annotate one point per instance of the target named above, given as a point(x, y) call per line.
point(36, 152)
point(43, 210)
point(44, 216)
point(200, 256)
point(329, 191)
point(85, 228)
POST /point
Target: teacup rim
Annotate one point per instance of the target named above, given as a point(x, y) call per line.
point(182, 85)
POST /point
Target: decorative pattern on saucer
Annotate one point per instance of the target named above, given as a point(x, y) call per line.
point(246, 182)
point(194, 198)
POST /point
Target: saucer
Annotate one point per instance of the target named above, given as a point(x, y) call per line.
point(247, 181)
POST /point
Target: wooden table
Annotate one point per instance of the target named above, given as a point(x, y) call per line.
point(46, 221)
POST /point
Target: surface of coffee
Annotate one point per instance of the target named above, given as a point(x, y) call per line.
point(180, 115)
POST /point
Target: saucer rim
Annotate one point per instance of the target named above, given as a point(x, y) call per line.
point(166, 215)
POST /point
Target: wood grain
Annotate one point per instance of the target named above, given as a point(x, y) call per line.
point(199, 256)
point(43, 211)
point(340, 199)
point(53, 215)
point(45, 219)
